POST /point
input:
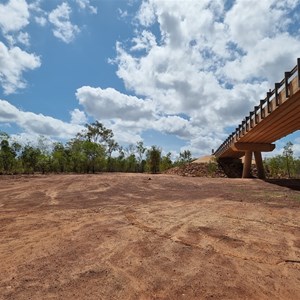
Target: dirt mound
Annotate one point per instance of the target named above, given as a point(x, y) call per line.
point(210, 170)
point(205, 159)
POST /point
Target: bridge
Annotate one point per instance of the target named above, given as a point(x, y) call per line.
point(275, 117)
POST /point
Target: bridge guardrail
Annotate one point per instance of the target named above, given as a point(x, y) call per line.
point(252, 119)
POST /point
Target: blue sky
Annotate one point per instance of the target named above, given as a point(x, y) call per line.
point(177, 74)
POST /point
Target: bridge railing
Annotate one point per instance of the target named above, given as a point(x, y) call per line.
point(259, 111)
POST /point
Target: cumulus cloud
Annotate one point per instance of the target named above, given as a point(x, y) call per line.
point(146, 14)
point(24, 38)
point(78, 117)
point(13, 62)
point(282, 51)
point(145, 41)
point(37, 124)
point(86, 5)
point(192, 69)
point(63, 28)
point(111, 104)
point(14, 15)
point(210, 62)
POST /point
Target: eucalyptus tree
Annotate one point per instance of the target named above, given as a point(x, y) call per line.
point(141, 149)
point(30, 157)
point(154, 159)
point(166, 162)
point(7, 156)
point(288, 154)
point(60, 157)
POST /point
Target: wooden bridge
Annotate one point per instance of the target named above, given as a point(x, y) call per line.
point(275, 117)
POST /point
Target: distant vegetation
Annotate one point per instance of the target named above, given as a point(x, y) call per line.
point(285, 165)
point(90, 151)
point(95, 150)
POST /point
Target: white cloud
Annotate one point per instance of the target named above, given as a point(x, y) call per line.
point(14, 15)
point(196, 72)
point(23, 38)
point(39, 15)
point(146, 14)
point(42, 21)
point(37, 124)
point(209, 63)
point(78, 117)
point(13, 62)
point(145, 41)
point(33, 140)
point(111, 104)
point(173, 125)
point(63, 28)
point(267, 59)
point(85, 4)
point(265, 19)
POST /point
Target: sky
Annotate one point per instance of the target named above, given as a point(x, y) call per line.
point(172, 73)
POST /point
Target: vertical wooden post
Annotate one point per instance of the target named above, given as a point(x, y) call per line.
point(247, 164)
point(259, 165)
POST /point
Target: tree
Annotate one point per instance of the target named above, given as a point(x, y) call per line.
point(97, 133)
point(30, 156)
point(288, 154)
point(93, 154)
point(7, 156)
point(153, 159)
point(166, 162)
point(76, 155)
point(111, 147)
point(141, 149)
point(185, 156)
point(86, 156)
point(60, 158)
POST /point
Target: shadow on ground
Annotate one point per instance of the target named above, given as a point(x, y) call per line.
point(293, 184)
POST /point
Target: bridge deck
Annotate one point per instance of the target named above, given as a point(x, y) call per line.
point(277, 116)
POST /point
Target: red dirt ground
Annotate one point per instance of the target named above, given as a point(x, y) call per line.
point(122, 236)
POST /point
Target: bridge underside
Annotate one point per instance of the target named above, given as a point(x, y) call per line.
point(248, 149)
point(277, 116)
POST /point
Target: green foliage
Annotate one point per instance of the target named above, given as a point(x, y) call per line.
point(7, 156)
point(92, 150)
point(212, 167)
point(30, 157)
point(141, 149)
point(166, 162)
point(184, 158)
point(283, 166)
point(153, 159)
point(288, 154)
point(60, 158)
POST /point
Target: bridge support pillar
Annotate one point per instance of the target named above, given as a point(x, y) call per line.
point(259, 164)
point(247, 164)
point(249, 149)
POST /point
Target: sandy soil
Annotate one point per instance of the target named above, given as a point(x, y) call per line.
point(117, 236)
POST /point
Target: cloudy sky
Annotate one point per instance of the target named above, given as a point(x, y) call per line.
point(177, 74)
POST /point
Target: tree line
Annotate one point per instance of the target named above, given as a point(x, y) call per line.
point(284, 165)
point(90, 151)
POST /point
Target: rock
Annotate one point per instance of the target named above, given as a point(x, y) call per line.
point(197, 170)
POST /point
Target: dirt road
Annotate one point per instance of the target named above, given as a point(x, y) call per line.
point(120, 236)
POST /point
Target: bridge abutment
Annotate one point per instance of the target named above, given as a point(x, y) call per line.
point(232, 167)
